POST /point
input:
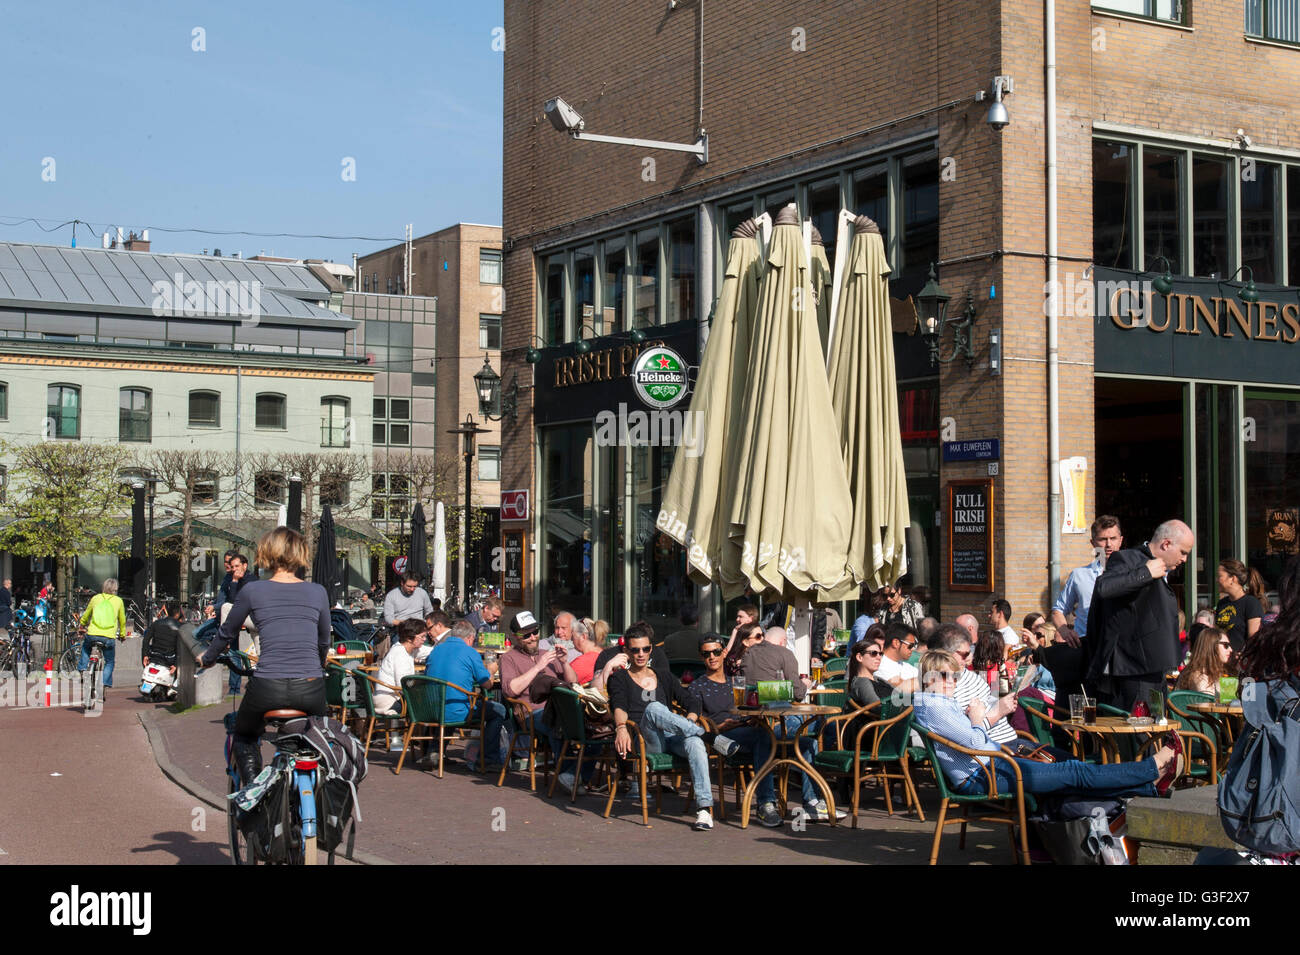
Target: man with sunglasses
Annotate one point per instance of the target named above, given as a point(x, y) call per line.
point(900, 642)
point(710, 693)
point(954, 639)
point(637, 693)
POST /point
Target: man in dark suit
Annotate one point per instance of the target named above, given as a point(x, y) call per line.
point(1134, 639)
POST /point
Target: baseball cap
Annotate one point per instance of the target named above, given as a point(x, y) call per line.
point(524, 622)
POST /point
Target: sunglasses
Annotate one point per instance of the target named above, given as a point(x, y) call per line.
point(869, 653)
point(908, 646)
point(638, 649)
point(712, 653)
point(946, 675)
point(1228, 645)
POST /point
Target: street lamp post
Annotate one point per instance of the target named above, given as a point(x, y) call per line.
point(152, 570)
point(469, 431)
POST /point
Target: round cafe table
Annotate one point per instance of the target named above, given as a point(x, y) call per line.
point(1233, 711)
point(1107, 729)
point(785, 749)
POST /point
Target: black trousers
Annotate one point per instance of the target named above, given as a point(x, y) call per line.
point(307, 695)
point(1124, 691)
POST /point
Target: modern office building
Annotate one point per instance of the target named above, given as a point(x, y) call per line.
point(1023, 148)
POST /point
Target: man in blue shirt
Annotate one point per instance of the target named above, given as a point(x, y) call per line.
point(456, 661)
point(1076, 596)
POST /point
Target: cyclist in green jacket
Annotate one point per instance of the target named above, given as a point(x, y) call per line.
point(104, 620)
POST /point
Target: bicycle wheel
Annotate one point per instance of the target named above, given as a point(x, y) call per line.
point(70, 657)
point(92, 689)
point(241, 850)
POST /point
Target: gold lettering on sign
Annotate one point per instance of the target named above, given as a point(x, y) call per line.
point(1291, 316)
point(1114, 307)
point(1267, 322)
point(1234, 312)
point(1211, 316)
point(601, 361)
point(563, 372)
point(1151, 314)
point(1181, 328)
point(626, 356)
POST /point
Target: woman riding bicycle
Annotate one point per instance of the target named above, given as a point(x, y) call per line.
point(104, 618)
point(293, 618)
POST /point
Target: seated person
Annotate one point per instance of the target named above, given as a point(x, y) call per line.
point(938, 712)
point(456, 661)
point(1211, 659)
point(900, 642)
point(971, 686)
point(709, 694)
point(769, 660)
point(636, 693)
point(527, 671)
point(584, 641)
point(614, 657)
point(864, 663)
point(162, 637)
point(746, 618)
point(743, 637)
point(399, 662)
point(437, 625)
point(989, 656)
point(683, 644)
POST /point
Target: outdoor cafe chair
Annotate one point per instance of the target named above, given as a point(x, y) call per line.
point(365, 684)
point(1216, 728)
point(864, 749)
point(644, 766)
point(426, 705)
point(521, 726)
point(836, 665)
point(1000, 804)
point(573, 729)
point(741, 763)
point(342, 698)
point(1049, 731)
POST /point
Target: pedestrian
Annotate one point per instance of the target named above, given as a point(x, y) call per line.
point(1133, 621)
point(1076, 596)
point(1239, 611)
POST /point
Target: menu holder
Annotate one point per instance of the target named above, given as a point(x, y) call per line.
point(775, 691)
point(1228, 688)
point(492, 641)
point(1156, 703)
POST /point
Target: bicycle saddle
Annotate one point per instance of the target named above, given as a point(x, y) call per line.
point(282, 714)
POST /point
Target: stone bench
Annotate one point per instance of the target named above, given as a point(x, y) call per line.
point(1172, 831)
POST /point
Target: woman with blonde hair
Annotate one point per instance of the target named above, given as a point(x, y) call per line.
point(293, 617)
point(1211, 659)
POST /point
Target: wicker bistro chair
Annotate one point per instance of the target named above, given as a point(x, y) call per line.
point(521, 725)
point(1043, 726)
point(365, 684)
point(567, 706)
point(1006, 807)
point(742, 764)
point(644, 765)
point(864, 742)
point(836, 665)
point(343, 696)
point(1208, 724)
point(426, 705)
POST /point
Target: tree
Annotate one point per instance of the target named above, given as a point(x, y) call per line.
point(188, 474)
point(65, 499)
point(341, 478)
point(431, 478)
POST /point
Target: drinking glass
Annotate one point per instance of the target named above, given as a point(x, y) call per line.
point(1076, 707)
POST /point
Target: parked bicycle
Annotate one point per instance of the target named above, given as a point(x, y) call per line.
point(17, 653)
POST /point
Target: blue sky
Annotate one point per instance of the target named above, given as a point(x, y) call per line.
point(251, 133)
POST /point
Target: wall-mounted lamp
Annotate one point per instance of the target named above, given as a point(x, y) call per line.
point(584, 344)
point(1247, 293)
point(1163, 284)
point(492, 404)
point(534, 354)
point(932, 313)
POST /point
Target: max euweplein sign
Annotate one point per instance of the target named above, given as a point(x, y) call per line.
point(1201, 329)
point(970, 535)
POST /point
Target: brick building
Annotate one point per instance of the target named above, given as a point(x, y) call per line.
point(440, 331)
point(873, 108)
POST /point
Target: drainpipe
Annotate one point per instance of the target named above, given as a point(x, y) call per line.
point(239, 375)
point(1053, 366)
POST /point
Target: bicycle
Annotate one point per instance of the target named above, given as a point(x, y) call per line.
point(17, 653)
point(299, 767)
point(94, 694)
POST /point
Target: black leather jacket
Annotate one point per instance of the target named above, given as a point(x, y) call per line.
point(1133, 620)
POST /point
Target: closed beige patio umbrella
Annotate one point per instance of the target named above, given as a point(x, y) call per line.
point(695, 503)
point(864, 391)
point(822, 281)
point(791, 514)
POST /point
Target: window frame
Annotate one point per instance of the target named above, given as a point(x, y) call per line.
point(495, 456)
point(148, 414)
point(261, 501)
point(498, 256)
point(326, 439)
point(4, 401)
point(216, 425)
point(284, 411)
point(75, 389)
point(486, 345)
point(1183, 6)
point(206, 477)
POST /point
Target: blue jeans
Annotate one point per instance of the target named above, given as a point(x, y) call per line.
point(496, 718)
point(662, 729)
point(110, 651)
point(755, 740)
point(1071, 776)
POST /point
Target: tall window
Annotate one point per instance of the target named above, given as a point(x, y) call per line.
point(681, 264)
point(334, 431)
point(489, 266)
point(553, 301)
point(645, 279)
point(1112, 219)
point(63, 418)
point(4, 401)
point(489, 463)
point(134, 415)
point(489, 331)
point(1274, 19)
point(270, 489)
point(1162, 233)
point(205, 409)
point(1170, 11)
point(271, 412)
point(1259, 226)
point(1211, 207)
point(920, 217)
point(614, 287)
point(206, 487)
point(392, 421)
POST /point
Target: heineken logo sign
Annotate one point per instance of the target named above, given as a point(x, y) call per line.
point(659, 377)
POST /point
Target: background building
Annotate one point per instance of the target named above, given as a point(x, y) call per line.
point(241, 360)
point(458, 269)
point(834, 105)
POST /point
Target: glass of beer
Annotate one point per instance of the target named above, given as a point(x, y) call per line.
point(738, 691)
point(1076, 707)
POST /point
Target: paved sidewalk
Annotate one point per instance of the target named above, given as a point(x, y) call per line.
point(416, 818)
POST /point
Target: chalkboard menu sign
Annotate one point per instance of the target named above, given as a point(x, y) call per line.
point(512, 571)
point(970, 536)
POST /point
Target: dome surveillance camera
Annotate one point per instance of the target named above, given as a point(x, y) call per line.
point(998, 116)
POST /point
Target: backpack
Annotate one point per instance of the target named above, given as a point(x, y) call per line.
point(343, 767)
point(103, 615)
point(268, 826)
point(1259, 795)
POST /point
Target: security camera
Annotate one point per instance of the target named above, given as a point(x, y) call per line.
point(997, 116)
point(1244, 141)
point(563, 116)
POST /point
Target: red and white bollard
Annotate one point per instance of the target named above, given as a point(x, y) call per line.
point(49, 678)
